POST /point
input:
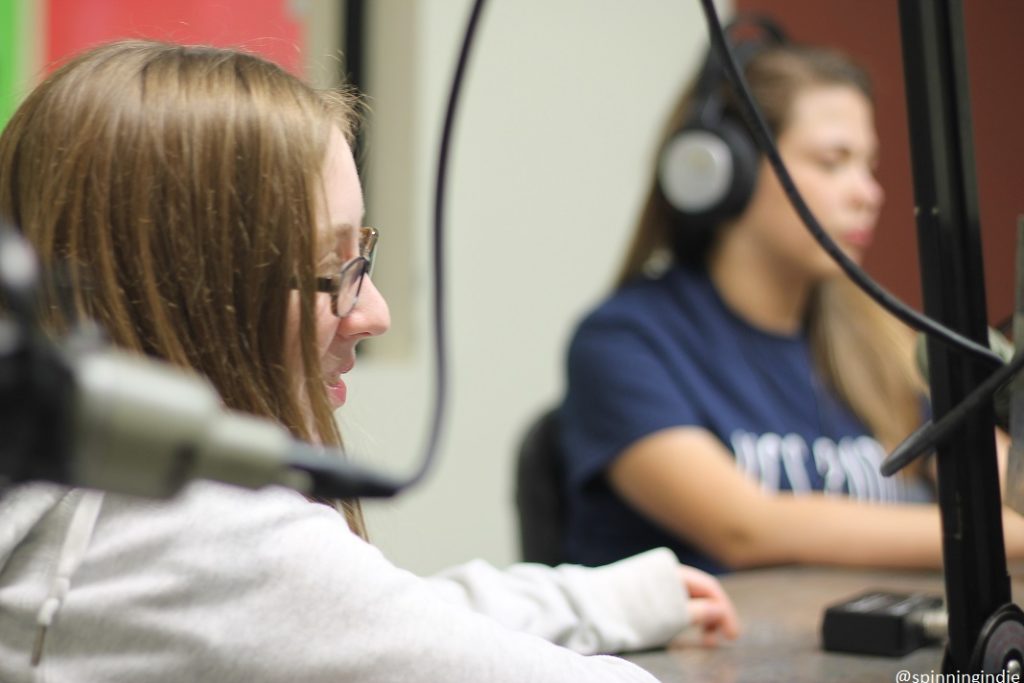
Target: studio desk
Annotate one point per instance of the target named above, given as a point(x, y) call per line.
point(781, 611)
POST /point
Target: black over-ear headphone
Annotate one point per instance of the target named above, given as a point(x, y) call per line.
point(707, 168)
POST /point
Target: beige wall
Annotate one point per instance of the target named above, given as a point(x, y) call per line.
point(556, 131)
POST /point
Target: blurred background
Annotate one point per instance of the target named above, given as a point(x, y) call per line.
point(552, 153)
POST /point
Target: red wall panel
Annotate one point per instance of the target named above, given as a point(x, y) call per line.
point(262, 26)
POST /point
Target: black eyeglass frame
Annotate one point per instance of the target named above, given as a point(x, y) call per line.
point(355, 270)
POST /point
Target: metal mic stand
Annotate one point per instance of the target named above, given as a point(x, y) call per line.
point(986, 630)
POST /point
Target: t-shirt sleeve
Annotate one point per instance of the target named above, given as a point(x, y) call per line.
point(621, 388)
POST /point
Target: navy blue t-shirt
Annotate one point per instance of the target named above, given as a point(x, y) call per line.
point(668, 352)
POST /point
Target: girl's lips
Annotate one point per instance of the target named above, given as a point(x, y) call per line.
point(337, 392)
point(858, 238)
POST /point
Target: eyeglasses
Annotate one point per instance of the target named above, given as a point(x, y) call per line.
point(344, 287)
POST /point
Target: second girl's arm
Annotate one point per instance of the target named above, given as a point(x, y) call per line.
point(685, 479)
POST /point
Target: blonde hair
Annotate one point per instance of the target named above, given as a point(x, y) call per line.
point(179, 189)
point(864, 353)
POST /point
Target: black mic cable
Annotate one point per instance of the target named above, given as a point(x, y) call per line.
point(440, 317)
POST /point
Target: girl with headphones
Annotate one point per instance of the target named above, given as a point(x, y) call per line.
point(735, 395)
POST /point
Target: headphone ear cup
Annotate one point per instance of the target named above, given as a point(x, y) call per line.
point(707, 174)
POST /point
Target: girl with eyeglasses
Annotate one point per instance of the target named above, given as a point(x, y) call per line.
point(206, 208)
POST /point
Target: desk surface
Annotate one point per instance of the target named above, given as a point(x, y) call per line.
point(781, 611)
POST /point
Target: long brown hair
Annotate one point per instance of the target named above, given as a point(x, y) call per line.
point(864, 353)
point(179, 187)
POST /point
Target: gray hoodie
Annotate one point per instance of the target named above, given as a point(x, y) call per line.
point(222, 584)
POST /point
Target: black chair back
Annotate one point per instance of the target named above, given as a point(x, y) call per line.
point(539, 502)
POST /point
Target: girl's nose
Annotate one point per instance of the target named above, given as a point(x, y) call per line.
point(370, 317)
point(869, 190)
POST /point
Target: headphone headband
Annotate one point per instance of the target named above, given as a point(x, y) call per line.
point(712, 74)
point(707, 168)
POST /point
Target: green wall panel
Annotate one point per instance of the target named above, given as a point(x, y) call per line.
point(12, 53)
